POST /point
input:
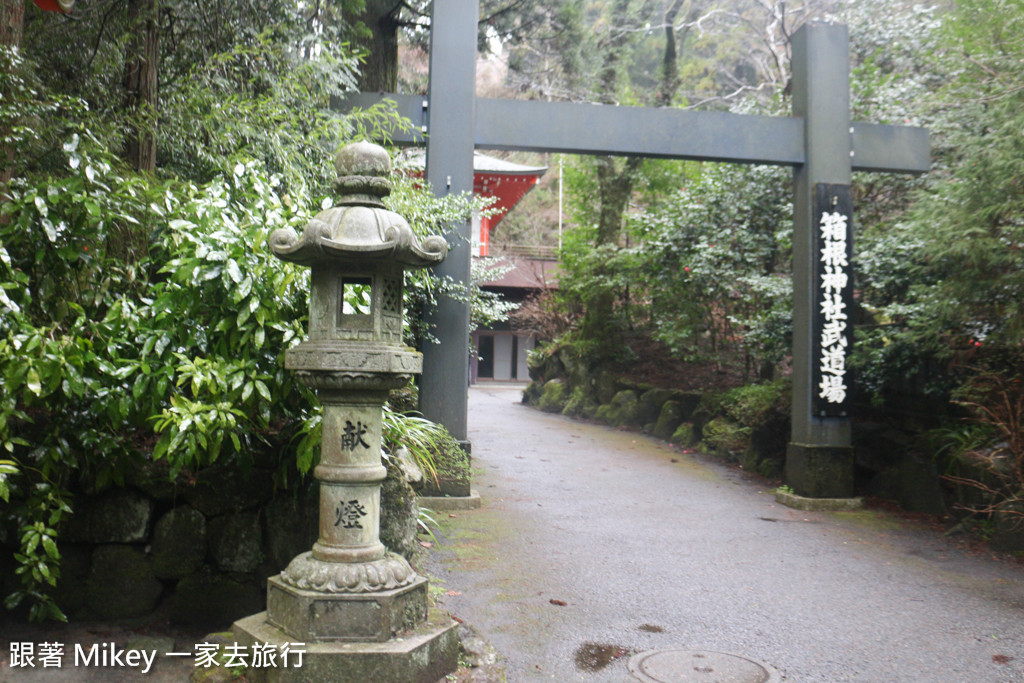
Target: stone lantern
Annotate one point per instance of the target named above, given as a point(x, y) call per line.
point(349, 589)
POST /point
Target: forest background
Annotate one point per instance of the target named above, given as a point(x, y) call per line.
point(150, 146)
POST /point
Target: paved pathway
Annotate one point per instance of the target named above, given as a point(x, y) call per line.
point(594, 543)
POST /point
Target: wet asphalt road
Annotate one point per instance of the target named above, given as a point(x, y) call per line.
point(649, 548)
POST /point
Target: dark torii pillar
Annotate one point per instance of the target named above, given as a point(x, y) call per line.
point(818, 141)
point(445, 381)
point(819, 458)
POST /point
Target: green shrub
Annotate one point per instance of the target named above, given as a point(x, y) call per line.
point(725, 437)
point(753, 405)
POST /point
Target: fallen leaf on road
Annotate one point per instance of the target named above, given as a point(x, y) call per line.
point(453, 592)
point(1001, 659)
point(560, 603)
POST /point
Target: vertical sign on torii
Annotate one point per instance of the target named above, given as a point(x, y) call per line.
point(819, 141)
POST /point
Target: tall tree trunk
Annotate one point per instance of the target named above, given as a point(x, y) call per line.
point(140, 83)
point(670, 61)
point(12, 20)
point(379, 72)
point(615, 181)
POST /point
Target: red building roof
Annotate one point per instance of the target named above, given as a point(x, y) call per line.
point(506, 181)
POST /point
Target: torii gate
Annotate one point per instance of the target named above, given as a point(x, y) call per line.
point(819, 141)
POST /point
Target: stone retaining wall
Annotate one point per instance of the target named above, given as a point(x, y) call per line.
point(200, 550)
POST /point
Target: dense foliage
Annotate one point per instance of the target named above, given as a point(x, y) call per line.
point(171, 352)
point(701, 263)
point(144, 319)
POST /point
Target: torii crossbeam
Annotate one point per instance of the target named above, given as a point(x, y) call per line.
point(819, 141)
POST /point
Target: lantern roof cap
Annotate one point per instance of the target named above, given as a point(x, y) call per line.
point(362, 159)
point(359, 231)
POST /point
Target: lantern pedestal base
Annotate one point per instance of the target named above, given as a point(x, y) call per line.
point(308, 615)
point(820, 471)
point(424, 654)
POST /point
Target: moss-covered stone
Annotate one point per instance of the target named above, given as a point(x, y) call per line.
point(579, 401)
point(688, 402)
point(650, 404)
point(179, 543)
point(755, 460)
point(709, 407)
point(605, 387)
point(398, 513)
point(121, 583)
point(544, 364)
point(683, 435)
point(153, 478)
point(622, 410)
point(532, 392)
point(291, 524)
point(766, 446)
point(229, 487)
point(669, 418)
point(554, 396)
point(451, 469)
point(117, 517)
point(236, 542)
point(71, 591)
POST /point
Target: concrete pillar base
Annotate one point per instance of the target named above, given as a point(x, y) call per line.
point(448, 503)
point(820, 471)
point(425, 654)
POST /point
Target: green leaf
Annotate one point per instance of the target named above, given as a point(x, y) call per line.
point(51, 232)
point(243, 315)
point(51, 548)
point(234, 272)
point(73, 380)
point(33, 382)
point(262, 389)
point(139, 386)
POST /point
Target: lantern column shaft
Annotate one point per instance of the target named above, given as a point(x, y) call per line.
point(350, 474)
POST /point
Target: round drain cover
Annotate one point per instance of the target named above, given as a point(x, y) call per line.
point(698, 666)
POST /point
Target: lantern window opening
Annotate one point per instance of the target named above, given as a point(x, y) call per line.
point(356, 296)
